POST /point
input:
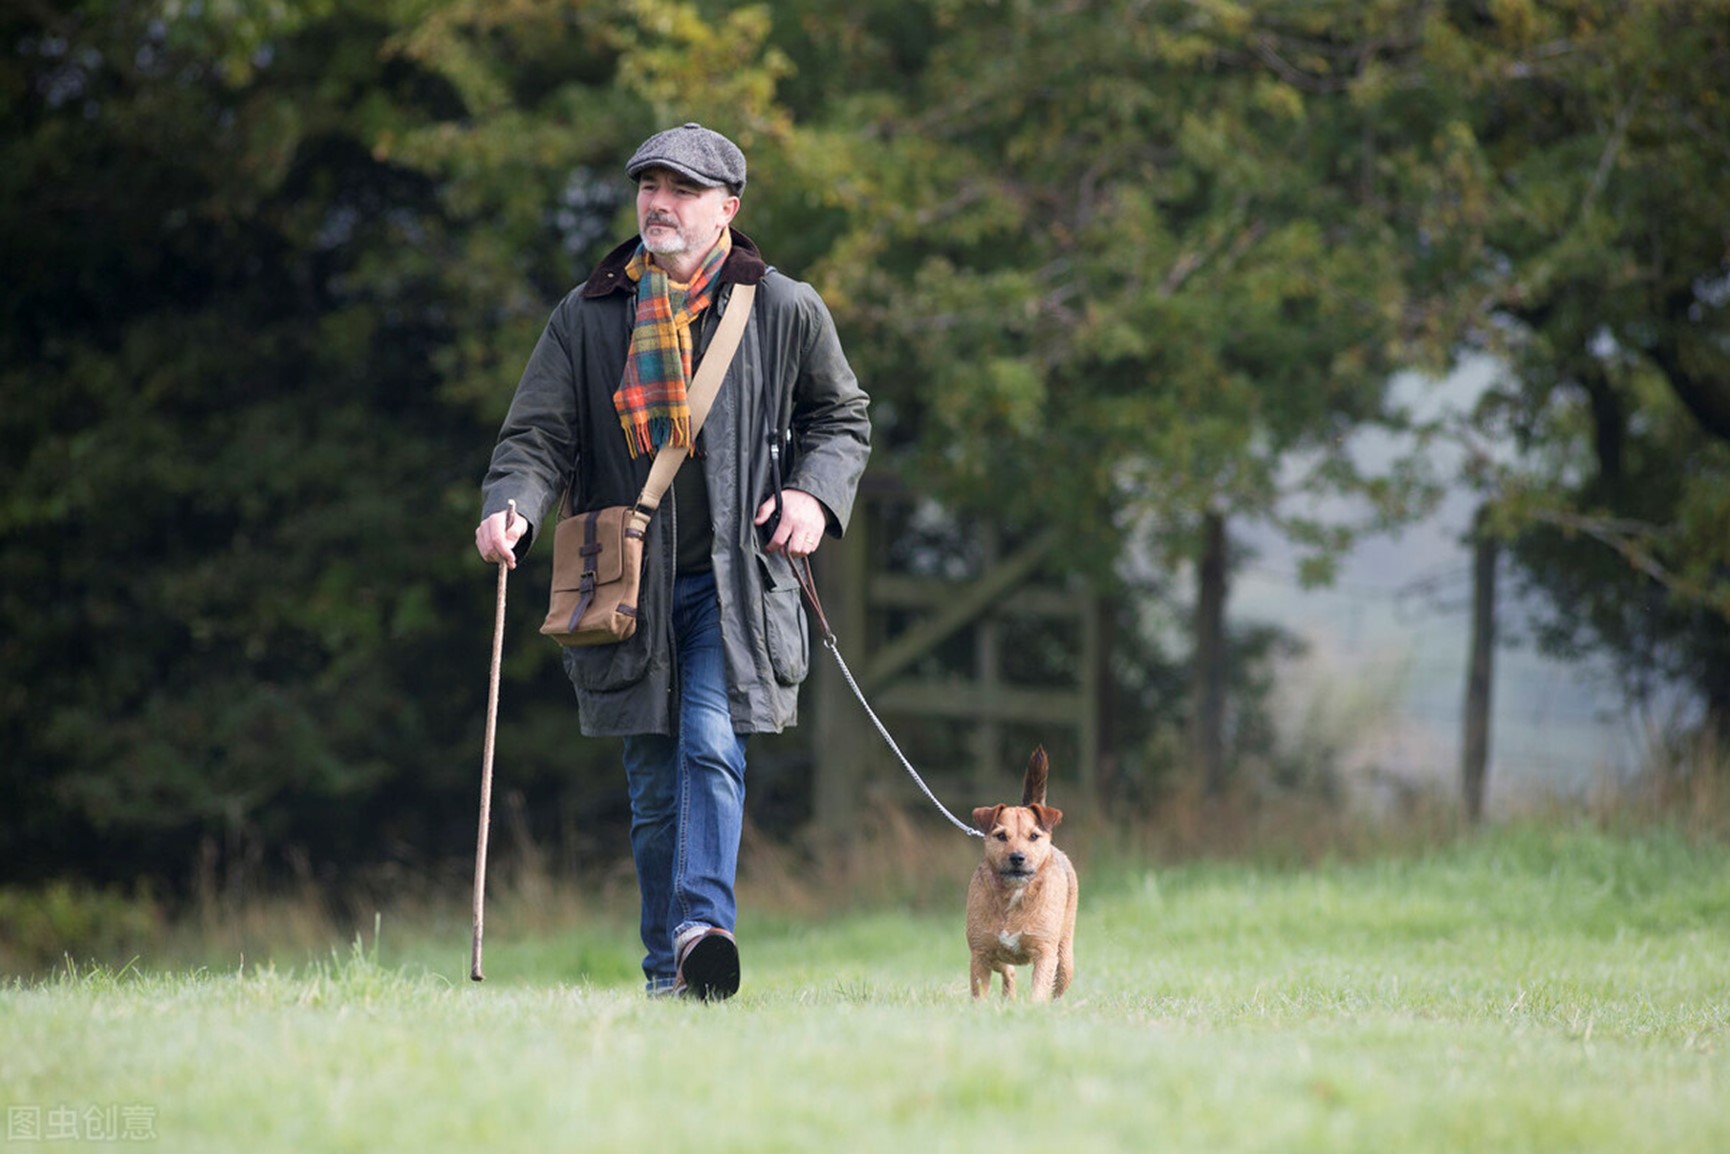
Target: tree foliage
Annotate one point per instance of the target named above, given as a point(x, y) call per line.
point(1602, 130)
point(270, 272)
point(217, 405)
point(1122, 266)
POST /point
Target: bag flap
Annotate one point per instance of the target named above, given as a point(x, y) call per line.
point(574, 552)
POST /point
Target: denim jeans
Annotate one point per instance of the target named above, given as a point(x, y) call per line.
point(688, 790)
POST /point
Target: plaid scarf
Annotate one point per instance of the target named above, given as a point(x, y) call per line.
point(651, 398)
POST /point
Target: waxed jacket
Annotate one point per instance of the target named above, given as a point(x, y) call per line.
point(562, 429)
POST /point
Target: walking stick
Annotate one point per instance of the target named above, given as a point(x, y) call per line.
point(487, 761)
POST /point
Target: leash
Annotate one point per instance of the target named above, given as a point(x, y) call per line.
point(808, 583)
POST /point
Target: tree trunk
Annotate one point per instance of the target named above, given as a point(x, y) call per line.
point(1480, 675)
point(1715, 687)
point(1208, 676)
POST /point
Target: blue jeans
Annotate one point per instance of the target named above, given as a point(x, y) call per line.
point(688, 790)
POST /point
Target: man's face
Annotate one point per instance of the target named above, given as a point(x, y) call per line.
point(678, 217)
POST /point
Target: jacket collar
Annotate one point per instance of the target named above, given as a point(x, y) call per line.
point(744, 266)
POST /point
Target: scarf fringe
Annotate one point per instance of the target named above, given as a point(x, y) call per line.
point(646, 434)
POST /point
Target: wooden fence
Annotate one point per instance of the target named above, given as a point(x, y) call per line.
point(900, 630)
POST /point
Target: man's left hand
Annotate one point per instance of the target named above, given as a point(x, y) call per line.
point(803, 523)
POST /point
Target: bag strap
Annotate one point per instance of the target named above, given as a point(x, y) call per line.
point(711, 370)
point(586, 586)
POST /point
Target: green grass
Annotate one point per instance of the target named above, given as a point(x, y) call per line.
point(1532, 989)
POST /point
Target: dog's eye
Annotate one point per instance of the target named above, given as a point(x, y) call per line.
point(1002, 835)
point(1034, 836)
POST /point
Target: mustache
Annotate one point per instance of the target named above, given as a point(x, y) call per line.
point(658, 218)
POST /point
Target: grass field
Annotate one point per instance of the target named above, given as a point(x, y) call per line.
point(1531, 989)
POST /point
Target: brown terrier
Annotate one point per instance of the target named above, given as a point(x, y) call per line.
point(1021, 902)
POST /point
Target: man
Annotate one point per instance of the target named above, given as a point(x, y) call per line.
point(722, 647)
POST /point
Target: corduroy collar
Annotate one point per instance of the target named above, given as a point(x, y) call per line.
point(744, 266)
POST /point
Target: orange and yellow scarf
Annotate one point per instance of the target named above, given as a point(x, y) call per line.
point(651, 399)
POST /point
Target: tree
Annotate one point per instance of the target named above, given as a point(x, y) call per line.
point(1601, 129)
point(209, 603)
point(1134, 269)
point(271, 275)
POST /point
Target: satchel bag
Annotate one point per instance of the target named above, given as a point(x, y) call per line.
point(598, 556)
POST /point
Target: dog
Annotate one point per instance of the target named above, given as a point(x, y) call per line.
point(1022, 899)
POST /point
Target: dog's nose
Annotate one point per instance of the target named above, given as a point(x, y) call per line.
point(1017, 860)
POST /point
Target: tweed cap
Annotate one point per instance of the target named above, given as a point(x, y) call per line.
point(692, 151)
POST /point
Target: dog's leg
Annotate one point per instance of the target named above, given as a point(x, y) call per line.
point(1066, 949)
point(1044, 975)
point(1008, 973)
point(979, 976)
point(1066, 943)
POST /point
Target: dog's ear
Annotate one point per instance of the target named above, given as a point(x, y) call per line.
point(1033, 784)
point(1047, 816)
point(985, 817)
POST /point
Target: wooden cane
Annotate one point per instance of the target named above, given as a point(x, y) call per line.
point(487, 760)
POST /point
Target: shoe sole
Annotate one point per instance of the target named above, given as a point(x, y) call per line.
point(711, 969)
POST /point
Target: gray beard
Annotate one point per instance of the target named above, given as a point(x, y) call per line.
point(671, 245)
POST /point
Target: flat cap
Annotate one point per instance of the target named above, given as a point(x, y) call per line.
point(698, 153)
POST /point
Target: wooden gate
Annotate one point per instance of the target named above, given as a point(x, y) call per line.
point(891, 624)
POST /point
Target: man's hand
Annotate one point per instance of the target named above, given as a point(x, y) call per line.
point(497, 536)
point(803, 523)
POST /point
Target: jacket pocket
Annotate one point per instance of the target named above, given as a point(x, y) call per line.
point(606, 667)
point(784, 622)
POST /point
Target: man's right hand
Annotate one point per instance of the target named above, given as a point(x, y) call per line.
point(497, 536)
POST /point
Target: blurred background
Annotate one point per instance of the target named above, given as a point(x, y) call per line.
point(1304, 400)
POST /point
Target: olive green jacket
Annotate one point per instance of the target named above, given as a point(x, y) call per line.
point(562, 430)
